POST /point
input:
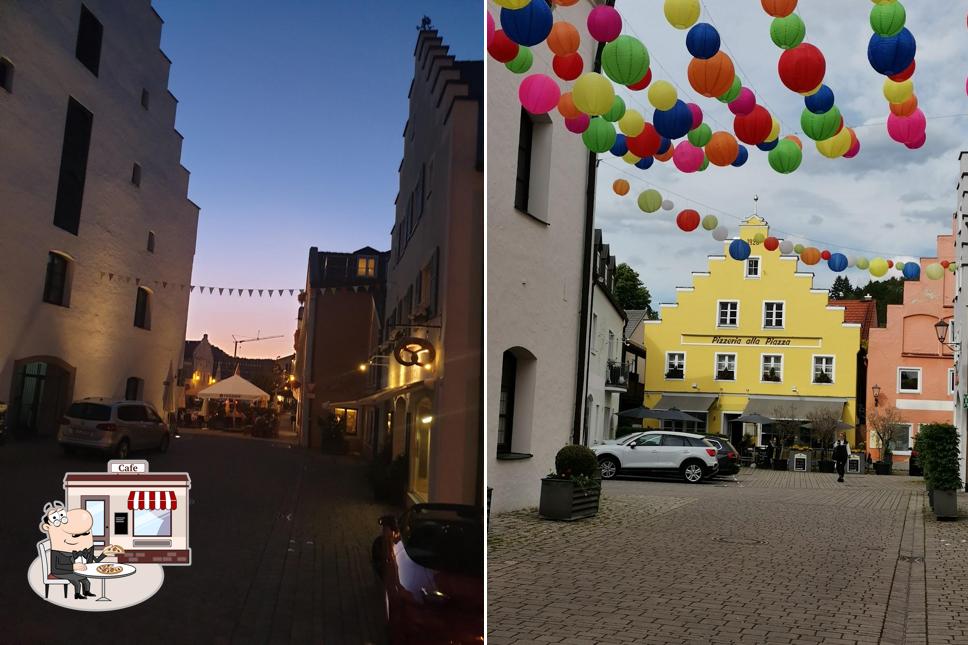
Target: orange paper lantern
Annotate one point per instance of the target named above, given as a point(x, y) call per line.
point(795, 139)
point(665, 156)
point(563, 39)
point(566, 107)
point(712, 77)
point(722, 149)
point(779, 8)
point(810, 255)
point(906, 108)
point(621, 187)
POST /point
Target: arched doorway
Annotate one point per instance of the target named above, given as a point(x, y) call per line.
point(420, 449)
point(40, 393)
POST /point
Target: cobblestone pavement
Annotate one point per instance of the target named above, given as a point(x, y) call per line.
point(766, 557)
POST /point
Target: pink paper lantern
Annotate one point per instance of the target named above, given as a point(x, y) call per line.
point(490, 28)
point(906, 128)
point(578, 124)
point(918, 142)
point(539, 93)
point(604, 24)
point(744, 103)
point(687, 157)
point(696, 115)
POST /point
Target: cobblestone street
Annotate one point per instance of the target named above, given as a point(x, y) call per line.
point(772, 557)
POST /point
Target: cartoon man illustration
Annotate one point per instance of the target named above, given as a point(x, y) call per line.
point(71, 545)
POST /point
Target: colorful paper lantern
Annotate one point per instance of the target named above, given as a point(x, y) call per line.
point(563, 38)
point(820, 101)
point(687, 157)
point(898, 92)
point(889, 56)
point(878, 267)
point(522, 62)
point(696, 114)
point(837, 262)
point(681, 14)
point(908, 128)
point(600, 135)
point(646, 143)
point(650, 200)
point(888, 19)
point(617, 111)
point(577, 124)
point(771, 243)
point(906, 108)
point(702, 41)
point(810, 255)
point(667, 205)
point(779, 8)
point(687, 220)
point(625, 60)
point(798, 248)
point(741, 157)
point(662, 95)
point(621, 187)
point(744, 103)
point(604, 23)
point(945, 263)
point(755, 127)
point(795, 139)
point(490, 28)
point(568, 67)
point(631, 123)
point(630, 159)
point(566, 106)
point(917, 142)
point(911, 271)
point(785, 157)
point(802, 68)
point(619, 149)
point(705, 163)
point(774, 131)
point(665, 145)
point(825, 255)
point(934, 271)
point(722, 149)
point(758, 238)
point(713, 76)
point(739, 249)
point(854, 145)
point(673, 123)
point(820, 126)
point(836, 145)
point(786, 247)
point(766, 146)
point(788, 32)
point(502, 49)
point(512, 4)
point(700, 136)
point(906, 74)
point(710, 222)
point(593, 93)
point(528, 25)
point(900, 266)
point(720, 233)
point(733, 92)
point(642, 83)
point(862, 263)
point(644, 163)
point(539, 93)
point(667, 154)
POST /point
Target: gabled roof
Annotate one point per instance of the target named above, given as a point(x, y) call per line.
point(862, 312)
point(635, 317)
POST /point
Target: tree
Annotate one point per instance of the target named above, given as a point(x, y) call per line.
point(841, 288)
point(885, 423)
point(785, 426)
point(884, 292)
point(629, 290)
point(823, 424)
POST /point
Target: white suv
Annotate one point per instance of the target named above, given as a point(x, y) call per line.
point(690, 456)
point(114, 427)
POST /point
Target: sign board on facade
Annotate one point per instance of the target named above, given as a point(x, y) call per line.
point(127, 466)
point(750, 341)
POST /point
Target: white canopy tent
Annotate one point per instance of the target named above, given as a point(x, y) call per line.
point(234, 387)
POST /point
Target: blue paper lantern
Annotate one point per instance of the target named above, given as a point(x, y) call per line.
point(529, 25)
point(912, 271)
point(673, 123)
point(891, 55)
point(739, 249)
point(766, 146)
point(619, 148)
point(644, 163)
point(837, 262)
point(741, 157)
point(702, 41)
point(664, 144)
point(821, 101)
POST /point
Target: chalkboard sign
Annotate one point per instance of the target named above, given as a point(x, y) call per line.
point(800, 462)
point(120, 523)
point(853, 465)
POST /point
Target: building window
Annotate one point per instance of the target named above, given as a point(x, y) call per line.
point(152, 523)
point(902, 440)
point(346, 418)
point(133, 389)
point(772, 368)
point(533, 175)
point(151, 241)
point(725, 367)
point(594, 338)
point(142, 309)
point(728, 314)
point(56, 284)
point(73, 167)
point(505, 417)
point(6, 74)
point(145, 98)
point(89, 33)
point(366, 267)
point(753, 267)
point(823, 369)
point(422, 190)
point(772, 315)
point(909, 380)
point(675, 365)
point(951, 380)
point(136, 174)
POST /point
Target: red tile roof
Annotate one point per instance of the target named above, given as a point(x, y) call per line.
point(862, 312)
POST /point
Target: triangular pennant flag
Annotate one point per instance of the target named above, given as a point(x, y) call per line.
point(164, 284)
point(240, 292)
point(230, 291)
point(260, 292)
point(191, 288)
point(250, 292)
point(220, 290)
point(355, 289)
point(291, 290)
point(211, 289)
point(110, 276)
point(270, 293)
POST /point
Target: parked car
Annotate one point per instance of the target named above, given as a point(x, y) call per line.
point(659, 452)
point(431, 561)
point(113, 427)
point(726, 454)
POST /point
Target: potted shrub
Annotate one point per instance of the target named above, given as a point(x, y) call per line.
point(822, 377)
point(823, 425)
point(942, 469)
point(332, 440)
point(572, 491)
point(771, 375)
point(886, 425)
point(785, 428)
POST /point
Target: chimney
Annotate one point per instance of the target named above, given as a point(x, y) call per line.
point(868, 297)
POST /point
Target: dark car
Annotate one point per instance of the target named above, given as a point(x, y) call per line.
point(726, 454)
point(431, 561)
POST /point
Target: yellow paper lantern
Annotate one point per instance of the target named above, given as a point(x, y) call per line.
point(681, 14)
point(513, 4)
point(812, 92)
point(878, 267)
point(631, 123)
point(662, 95)
point(896, 92)
point(630, 158)
point(775, 132)
point(836, 145)
point(593, 94)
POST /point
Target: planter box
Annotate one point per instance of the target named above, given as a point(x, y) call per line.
point(561, 499)
point(882, 468)
point(945, 504)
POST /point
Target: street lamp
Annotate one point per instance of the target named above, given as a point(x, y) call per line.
point(876, 389)
point(941, 330)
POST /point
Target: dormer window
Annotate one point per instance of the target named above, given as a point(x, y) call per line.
point(366, 267)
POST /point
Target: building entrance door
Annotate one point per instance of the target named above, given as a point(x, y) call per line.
point(41, 393)
point(733, 430)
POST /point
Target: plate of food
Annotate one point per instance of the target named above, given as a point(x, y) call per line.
point(109, 569)
point(113, 549)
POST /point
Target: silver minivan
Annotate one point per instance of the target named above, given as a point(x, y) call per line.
point(114, 427)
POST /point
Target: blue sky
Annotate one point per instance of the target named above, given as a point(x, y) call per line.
point(293, 114)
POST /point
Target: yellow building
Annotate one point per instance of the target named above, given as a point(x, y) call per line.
point(751, 336)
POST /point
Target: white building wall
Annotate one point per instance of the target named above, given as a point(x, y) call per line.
point(961, 310)
point(534, 278)
point(598, 428)
point(95, 334)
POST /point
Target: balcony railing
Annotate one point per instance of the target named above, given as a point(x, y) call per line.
point(617, 375)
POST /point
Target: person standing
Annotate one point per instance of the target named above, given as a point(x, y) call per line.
point(841, 455)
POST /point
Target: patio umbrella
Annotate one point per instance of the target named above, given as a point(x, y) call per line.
point(635, 413)
point(672, 414)
point(752, 418)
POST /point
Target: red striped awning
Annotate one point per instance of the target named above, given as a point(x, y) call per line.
point(151, 500)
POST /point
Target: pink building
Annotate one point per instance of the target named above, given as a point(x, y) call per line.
point(907, 367)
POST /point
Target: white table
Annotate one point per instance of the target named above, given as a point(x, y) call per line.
point(92, 572)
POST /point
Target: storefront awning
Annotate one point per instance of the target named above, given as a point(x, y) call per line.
point(382, 395)
point(793, 407)
point(152, 500)
point(686, 402)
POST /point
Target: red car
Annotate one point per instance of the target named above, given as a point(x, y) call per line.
point(431, 561)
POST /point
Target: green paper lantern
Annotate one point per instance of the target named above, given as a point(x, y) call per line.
point(700, 136)
point(600, 135)
point(758, 238)
point(733, 91)
point(934, 271)
point(788, 32)
point(705, 163)
point(710, 222)
point(899, 266)
point(522, 62)
point(888, 19)
point(625, 60)
point(863, 263)
point(820, 126)
point(650, 200)
point(617, 111)
point(878, 267)
point(785, 157)
point(798, 248)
